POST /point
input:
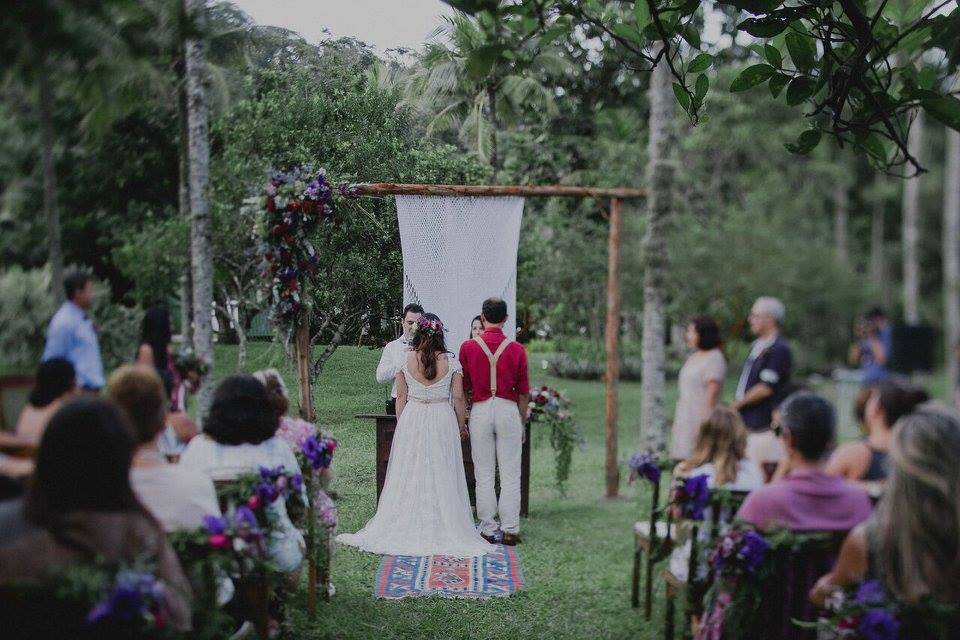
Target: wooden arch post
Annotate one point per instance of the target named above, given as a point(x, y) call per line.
point(612, 332)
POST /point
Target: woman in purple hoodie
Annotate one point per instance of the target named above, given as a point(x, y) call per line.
point(807, 499)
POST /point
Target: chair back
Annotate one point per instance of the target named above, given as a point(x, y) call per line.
point(723, 507)
point(785, 596)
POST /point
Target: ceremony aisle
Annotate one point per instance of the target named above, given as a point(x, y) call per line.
point(576, 554)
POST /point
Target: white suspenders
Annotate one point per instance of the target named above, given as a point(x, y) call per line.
point(493, 358)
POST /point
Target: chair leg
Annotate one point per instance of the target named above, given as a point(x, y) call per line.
point(670, 614)
point(648, 588)
point(635, 581)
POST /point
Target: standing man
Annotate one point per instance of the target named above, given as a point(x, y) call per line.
point(764, 379)
point(71, 334)
point(873, 350)
point(395, 352)
point(495, 374)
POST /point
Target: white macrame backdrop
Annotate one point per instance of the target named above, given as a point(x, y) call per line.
point(457, 252)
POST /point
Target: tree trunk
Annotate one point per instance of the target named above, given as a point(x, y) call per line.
point(186, 290)
point(660, 177)
point(841, 214)
point(50, 211)
point(911, 230)
point(951, 257)
point(241, 342)
point(201, 252)
point(492, 108)
point(877, 233)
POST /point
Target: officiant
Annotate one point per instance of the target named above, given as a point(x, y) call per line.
point(395, 353)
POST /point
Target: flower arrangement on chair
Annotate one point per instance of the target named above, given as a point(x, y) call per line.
point(549, 406)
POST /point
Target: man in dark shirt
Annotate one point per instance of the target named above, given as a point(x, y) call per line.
point(764, 380)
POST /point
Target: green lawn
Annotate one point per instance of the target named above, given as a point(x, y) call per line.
point(577, 551)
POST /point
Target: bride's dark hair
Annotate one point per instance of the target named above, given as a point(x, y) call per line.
point(428, 342)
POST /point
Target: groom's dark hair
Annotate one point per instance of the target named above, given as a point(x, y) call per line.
point(494, 310)
point(413, 306)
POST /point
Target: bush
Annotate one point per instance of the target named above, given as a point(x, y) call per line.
point(24, 314)
point(566, 366)
point(118, 329)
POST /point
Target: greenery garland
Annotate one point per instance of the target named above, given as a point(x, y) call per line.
point(549, 406)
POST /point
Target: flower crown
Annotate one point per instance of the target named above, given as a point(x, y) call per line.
point(427, 326)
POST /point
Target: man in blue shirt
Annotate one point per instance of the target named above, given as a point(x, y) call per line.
point(873, 350)
point(71, 334)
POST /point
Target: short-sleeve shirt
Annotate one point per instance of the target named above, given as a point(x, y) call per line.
point(178, 497)
point(512, 377)
point(72, 336)
point(698, 371)
point(771, 365)
point(807, 500)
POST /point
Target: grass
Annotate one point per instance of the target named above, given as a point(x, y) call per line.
point(577, 550)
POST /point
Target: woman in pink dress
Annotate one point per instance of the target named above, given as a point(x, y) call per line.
point(701, 380)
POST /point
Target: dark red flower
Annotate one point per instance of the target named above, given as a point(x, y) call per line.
point(271, 205)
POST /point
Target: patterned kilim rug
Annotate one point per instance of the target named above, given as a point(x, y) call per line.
point(497, 574)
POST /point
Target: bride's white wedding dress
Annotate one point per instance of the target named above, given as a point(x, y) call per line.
point(424, 507)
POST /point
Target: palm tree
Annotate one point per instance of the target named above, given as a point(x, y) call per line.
point(198, 155)
point(911, 229)
point(473, 81)
point(951, 256)
point(660, 178)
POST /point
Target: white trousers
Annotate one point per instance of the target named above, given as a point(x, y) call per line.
point(496, 439)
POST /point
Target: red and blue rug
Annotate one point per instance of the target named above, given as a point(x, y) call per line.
point(495, 575)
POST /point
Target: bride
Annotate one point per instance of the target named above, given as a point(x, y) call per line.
point(424, 507)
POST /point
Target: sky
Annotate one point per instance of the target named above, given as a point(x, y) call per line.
point(384, 24)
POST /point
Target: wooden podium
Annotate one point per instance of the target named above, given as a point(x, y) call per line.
point(386, 425)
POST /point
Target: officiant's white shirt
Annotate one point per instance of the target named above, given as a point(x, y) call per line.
point(391, 361)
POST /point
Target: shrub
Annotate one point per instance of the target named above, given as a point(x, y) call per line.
point(24, 314)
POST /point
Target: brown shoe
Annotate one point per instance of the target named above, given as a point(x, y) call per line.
point(511, 539)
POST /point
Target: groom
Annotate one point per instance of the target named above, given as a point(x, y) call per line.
point(495, 374)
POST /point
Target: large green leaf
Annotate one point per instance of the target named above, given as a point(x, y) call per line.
point(802, 50)
point(700, 64)
point(772, 54)
point(800, 89)
point(946, 109)
point(806, 143)
point(642, 12)
point(682, 96)
point(766, 27)
point(777, 83)
point(481, 60)
point(700, 89)
point(692, 36)
point(751, 77)
point(628, 32)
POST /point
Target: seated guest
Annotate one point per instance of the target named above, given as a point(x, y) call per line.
point(807, 498)
point(80, 507)
point(912, 543)
point(292, 430)
point(56, 382)
point(240, 437)
point(866, 460)
point(177, 496)
point(719, 452)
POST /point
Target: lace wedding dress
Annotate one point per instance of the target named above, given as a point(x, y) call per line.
point(424, 508)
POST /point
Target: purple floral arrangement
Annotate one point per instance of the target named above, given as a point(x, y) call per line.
point(867, 613)
point(318, 451)
point(134, 596)
point(644, 465)
point(296, 203)
point(691, 495)
point(274, 483)
point(240, 533)
point(739, 552)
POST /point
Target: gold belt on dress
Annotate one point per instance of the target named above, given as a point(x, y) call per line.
point(425, 401)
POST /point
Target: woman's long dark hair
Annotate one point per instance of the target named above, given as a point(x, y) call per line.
point(55, 377)
point(155, 331)
point(241, 412)
point(83, 464)
point(899, 397)
point(429, 347)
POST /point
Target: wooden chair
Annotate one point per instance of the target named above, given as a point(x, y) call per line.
point(253, 590)
point(724, 504)
point(652, 538)
point(795, 572)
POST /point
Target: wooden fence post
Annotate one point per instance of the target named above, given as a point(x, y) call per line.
point(612, 338)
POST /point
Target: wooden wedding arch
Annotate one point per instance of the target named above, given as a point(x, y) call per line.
point(614, 215)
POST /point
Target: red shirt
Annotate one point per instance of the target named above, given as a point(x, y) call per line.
point(512, 381)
